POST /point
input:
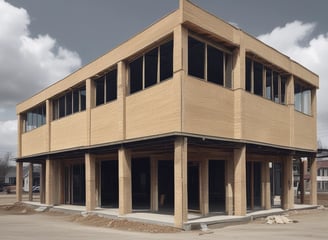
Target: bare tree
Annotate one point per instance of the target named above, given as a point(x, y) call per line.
point(4, 166)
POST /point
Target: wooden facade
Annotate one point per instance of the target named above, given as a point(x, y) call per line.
point(176, 116)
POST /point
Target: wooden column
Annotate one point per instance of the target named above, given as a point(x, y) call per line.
point(266, 186)
point(30, 182)
point(180, 182)
point(313, 178)
point(229, 178)
point(50, 183)
point(154, 184)
point(240, 181)
point(90, 182)
point(19, 181)
point(203, 190)
point(288, 190)
point(125, 183)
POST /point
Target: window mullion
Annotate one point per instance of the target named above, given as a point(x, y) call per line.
point(143, 71)
point(158, 64)
point(205, 63)
point(252, 76)
point(224, 69)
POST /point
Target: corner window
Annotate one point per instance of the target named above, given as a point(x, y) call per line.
point(71, 102)
point(209, 63)
point(106, 87)
point(35, 117)
point(151, 68)
point(302, 97)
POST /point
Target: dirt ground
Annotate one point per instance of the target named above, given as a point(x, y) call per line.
point(89, 220)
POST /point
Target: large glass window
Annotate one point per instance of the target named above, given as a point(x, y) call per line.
point(272, 87)
point(302, 97)
point(210, 63)
point(35, 117)
point(106, 87)
point(151, 68)
point(71, 102)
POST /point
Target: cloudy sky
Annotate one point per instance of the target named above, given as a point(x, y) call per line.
point(41, 41)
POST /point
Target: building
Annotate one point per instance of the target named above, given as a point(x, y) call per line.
point(188, 115)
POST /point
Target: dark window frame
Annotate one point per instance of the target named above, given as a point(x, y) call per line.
point(35, 117)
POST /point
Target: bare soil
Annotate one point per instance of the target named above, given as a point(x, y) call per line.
point(90, 220)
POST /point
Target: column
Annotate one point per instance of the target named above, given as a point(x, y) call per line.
point(121, 95)
point(42, 183)
point(229, 177)
point(180, 182)
point(240, 181)
point(266, 188)
point(50, 183)
point(19, 181)
point(153, 184)
point(30, 182)
point(125, 184)
point(301, 183)
point(313, 179)
point(288, 190)
point(90, 182)
point(203, 191)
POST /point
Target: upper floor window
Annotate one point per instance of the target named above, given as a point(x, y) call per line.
point(151, 68)
point(106, 87)
point(210, 63)
point(264, 81)
point(35, 117)
point(71, 102)
point(302, 97)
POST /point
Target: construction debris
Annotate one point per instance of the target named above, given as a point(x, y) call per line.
point(278, 220)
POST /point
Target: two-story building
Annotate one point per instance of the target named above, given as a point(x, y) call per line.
point(188, 115)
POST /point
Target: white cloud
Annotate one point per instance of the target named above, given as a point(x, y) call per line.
point(8, 139)
point(295, 40)
point(27, 64)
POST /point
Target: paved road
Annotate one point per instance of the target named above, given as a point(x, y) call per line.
point(42, 226)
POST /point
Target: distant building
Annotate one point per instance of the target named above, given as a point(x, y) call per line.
point(191, 114)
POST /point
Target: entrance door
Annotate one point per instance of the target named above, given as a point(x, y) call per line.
point(216, 185)
point(253, 184)
point(75, 184)
point(141, 183)
point(165, 185)
point(109, 184)
point(193, 186)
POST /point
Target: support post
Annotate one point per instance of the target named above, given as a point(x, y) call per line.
point(301, 183)
point(313, 177)
point(42, 183)
point(90, 180)
point(30, 182)
point(240, 181)
point(50, 185)
point(154, 184)
point(180, 181)
point(203, 193)
point(288, 198)
point(266, 188)
point(19, 181)
point(125, 184)
point(229, 169)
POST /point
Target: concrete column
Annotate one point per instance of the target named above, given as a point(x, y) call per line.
point(30, 182)
point(288, 190)
point(90, 182)
point(301, 183)
point(125, 182)
point(153, 185)
point(265, 185)
point(240, 181)
point(50, 182)
point(229, 178)
point(313, 178)
point(121, 97)
point(180, 181)
point(19, 181)
point(203, 191)
point(89, 104)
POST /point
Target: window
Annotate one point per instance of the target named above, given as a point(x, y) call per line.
point(302, 97)
point(106, 87)
point(264, 81)
point(36, 117)
point(209, 63)
point(151, 68)
point(71, 102)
